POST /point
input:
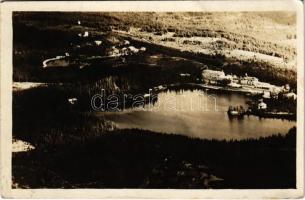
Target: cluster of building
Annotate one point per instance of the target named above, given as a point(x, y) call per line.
point(214, 77)
point(130, 50)
point(114, 51)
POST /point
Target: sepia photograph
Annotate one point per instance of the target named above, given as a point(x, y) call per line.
point(155, 99)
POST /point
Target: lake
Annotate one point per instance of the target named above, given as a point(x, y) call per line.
point(197, 113)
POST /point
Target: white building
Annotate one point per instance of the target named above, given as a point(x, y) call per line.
point(262, 106)
point(143, 49)
point(86, 34)
point(133, 49)
point(267, 95)
point(98, 42)
point(72, 101)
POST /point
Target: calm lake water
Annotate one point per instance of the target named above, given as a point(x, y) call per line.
point(198, 114)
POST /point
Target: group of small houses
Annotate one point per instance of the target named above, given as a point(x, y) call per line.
point(214, 77)
point(130, 50)
point(115, 51)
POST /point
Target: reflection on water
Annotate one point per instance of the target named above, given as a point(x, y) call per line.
point(198, 114)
